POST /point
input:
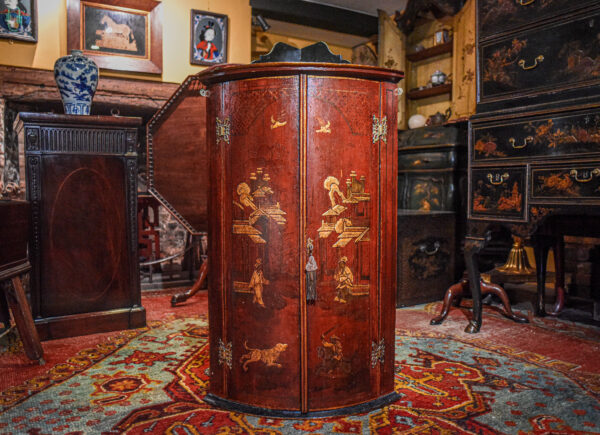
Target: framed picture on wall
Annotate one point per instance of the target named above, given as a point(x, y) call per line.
point(208, 34)
point(18, 20)
point(122, 35)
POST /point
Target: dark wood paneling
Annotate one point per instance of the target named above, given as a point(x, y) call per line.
point(29, 85)
point(178, 156)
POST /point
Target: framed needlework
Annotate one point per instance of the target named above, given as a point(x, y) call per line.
point(18, 20)
point(122, 35)
point(208, 38)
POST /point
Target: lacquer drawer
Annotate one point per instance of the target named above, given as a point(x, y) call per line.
point(556, 136)
point(573, 182)
point(500, 16)
point(556, 57)
point(426, 191)
point(426, 160)
point(498, 192)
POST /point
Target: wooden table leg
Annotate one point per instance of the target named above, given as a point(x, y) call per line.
point(456, 292)
point(472, 249)
point(559, 272)
point(182, 297)
point(453, 294)
point(17, 302)
point(495, 289)
point(541, 247)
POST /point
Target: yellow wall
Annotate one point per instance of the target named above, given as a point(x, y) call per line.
point(52, 37)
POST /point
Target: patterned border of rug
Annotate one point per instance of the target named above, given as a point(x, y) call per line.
point(152, 380)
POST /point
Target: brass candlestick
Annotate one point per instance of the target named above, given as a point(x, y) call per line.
point(517, 262)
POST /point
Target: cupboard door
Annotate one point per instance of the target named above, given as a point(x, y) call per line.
point(73, 279)
point(258, 128)
point(342, 219)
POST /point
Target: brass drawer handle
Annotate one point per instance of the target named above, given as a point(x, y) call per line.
point(524, 2)
point(513, 142)
point(593, 173)
point(538, 60)
point(502, 178)
point(436, 248)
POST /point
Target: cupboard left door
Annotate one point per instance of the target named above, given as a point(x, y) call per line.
point(254, 224)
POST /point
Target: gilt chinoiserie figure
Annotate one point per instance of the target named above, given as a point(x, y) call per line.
point(302, 233)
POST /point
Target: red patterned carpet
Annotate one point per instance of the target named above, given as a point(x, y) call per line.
point(541, 378)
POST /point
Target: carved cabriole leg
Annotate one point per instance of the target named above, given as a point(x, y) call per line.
point(473, 247)
point(559, 281)
point(199, 284)
point(453, 294)
point(495, 289)
point(541, 247)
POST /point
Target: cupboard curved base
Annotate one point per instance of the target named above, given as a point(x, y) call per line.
point(281, 413)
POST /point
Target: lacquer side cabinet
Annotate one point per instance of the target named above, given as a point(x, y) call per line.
point(81, 182)
point(431, 210)
point(534, 144)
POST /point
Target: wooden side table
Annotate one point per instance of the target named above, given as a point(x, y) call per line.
point(14, 230)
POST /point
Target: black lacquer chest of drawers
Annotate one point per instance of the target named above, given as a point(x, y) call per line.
point(534, 144)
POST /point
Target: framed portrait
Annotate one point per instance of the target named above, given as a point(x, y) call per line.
point(121, 35)
point(18, 20)
point(208, 34)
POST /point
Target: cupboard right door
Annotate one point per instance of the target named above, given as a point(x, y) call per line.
point(342, 221)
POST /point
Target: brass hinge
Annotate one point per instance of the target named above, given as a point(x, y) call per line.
point(377, 352)
point(379, 129)
point(223, 130)
point(225, 353)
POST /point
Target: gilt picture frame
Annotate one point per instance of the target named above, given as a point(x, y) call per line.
point(208, 38)
point(18, 20)
point(120, 35)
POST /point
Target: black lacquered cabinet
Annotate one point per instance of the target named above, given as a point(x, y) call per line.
point(534, 144)
point(431, 211)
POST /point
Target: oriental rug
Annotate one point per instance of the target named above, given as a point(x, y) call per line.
point(152, 380)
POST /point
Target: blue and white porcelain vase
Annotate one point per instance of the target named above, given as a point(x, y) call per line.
point(77, 77)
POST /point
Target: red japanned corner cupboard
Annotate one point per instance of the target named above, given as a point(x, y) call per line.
point(302, 235)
